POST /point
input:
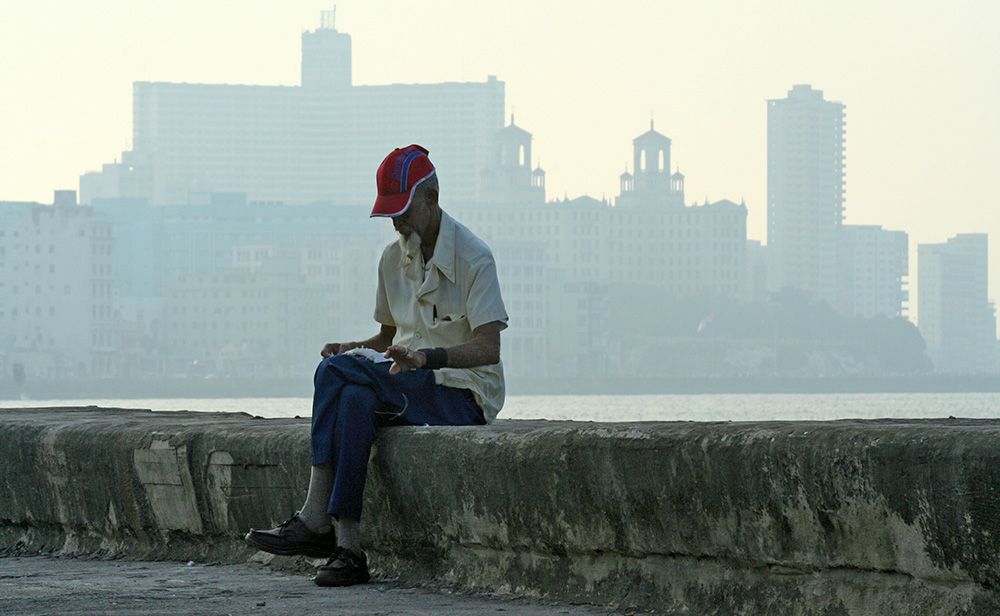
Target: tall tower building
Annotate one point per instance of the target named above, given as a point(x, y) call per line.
point(957, 320)
point(326, 56)
point(317, 141)
point(805, 191)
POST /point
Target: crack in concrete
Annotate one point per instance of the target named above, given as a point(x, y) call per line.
point(785, 568)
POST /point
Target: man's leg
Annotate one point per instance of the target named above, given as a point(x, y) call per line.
point(328, 400)
point(353, 435)
point(313, 511)
point(361, 415)
point(352, 399)
point(308, 532)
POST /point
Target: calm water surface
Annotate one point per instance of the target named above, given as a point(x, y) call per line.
point(704, 407)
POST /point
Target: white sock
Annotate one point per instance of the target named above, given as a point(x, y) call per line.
point(349, 534)
point(313, 512)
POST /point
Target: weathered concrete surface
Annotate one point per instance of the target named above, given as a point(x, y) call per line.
point(40, 586)
point(820, 518)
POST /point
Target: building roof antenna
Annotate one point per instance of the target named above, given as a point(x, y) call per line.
point(328, 19)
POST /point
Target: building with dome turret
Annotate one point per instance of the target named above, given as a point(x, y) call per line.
point(509, 177)
point(650, 184)
point(654, 238)
point(563, 262)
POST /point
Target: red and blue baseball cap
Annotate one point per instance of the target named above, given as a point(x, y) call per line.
point(398, 176)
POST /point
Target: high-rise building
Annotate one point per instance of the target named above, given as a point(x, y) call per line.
point(805, 191)
point(873, 265)
point(957, 319)
point(319, 141)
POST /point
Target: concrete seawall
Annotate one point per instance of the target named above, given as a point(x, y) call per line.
point(817, 518)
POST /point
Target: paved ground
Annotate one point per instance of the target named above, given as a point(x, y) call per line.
point(50, 586)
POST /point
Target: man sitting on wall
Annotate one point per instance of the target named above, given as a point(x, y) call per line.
point(440, 311)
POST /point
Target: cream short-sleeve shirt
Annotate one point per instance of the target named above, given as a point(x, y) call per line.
point(440, 307)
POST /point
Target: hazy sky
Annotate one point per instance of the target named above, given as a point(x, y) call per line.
point(921, 82)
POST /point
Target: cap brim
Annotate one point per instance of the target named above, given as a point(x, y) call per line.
point(390, 205)
point(394, 205)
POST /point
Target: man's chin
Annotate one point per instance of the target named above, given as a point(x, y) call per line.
point(409, 239)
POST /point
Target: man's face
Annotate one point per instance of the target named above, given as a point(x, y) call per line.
point(414, 219)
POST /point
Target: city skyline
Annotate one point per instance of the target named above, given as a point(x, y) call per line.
point(208, 283)
point(712, 104)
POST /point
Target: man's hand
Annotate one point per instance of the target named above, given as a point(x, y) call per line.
point(336, 348)
point(378, 342)
point(404, 359)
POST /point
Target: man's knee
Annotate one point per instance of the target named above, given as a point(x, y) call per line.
point(329, 370)
point(357, 399)
point(336, 360)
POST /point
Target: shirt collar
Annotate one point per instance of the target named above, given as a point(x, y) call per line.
point(444, 250)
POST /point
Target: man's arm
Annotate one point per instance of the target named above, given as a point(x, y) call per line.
point(482, 350)
point(379, 342)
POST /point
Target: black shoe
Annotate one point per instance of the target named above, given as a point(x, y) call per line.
point(345, 567)
point(293, 538)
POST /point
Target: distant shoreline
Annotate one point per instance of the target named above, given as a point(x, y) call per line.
point(297, 388)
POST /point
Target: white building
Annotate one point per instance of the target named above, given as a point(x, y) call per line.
point(593, 253)
point(319, 141)
point(526, 280)
point(236, 322)
point(509, 177)
point(220, 280)
point(647, 237)
point(957, 319)
point(805, 191)
point(872, 269)
point(56, 317)
point(651, 237)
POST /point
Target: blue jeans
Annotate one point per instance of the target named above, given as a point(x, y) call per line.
point(353, 398)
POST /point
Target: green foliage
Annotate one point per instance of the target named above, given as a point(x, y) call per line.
point(788, 332)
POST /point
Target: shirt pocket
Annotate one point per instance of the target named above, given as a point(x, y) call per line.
point(452, 328)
